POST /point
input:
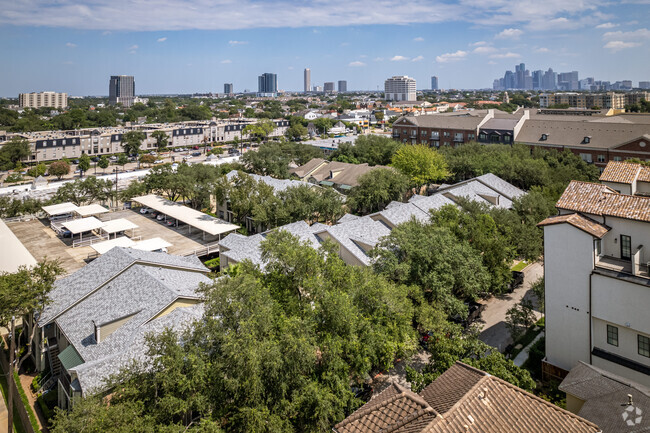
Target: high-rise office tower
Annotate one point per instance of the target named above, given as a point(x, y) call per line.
point(568, 80)
point(307, 84)
point(329, 87)
point(228, 89)
point(343, 86)
point(538, 77)
point(267, 84)
point(434, 83)
point(121, 89)
point(400, 88)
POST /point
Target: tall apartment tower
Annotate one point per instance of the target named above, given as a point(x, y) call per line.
point(328, 87)
point(228, 89)
point(343, 86)
point(434, 83)
point(307, 84)
point(267, 84)
point(43, 99)
point(121, 89)
point(400, 88)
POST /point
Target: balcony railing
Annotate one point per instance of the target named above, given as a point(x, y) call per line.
point(623, 266)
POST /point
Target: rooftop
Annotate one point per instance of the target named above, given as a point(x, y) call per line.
point(625, 172)
point(581, 222)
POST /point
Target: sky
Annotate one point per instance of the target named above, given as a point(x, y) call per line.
point(188, 46)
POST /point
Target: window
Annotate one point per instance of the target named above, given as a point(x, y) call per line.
point(586, 157)
point(544, 137)
point(601, 158)
point(598, 246)
point(587, 140)
point(626, 247)
point(644, 345)
point(446, 134)
point(506, 139)
point(483, 136)
point(617, 158)
point(612, 335)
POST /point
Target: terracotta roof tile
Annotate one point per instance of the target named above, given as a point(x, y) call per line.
point(620, 172)
point(450, 386)
point(581, 222)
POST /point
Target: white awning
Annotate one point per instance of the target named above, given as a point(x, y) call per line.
point(204, 222)
point(13, 253)
point(118, 225)
point(83, 225)
point(90, 210)
point(60, 209)
point(152, 244)
point(104, 247)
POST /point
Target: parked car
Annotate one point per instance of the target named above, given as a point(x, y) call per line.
point(76, 161)
point(95, 159)
point(196, 148)
point(112, 158)
point(174, 166)
point(145, 210)
point(196, 153)
point(474, 310)
point(177, 149)
point(517, 280)
point(154, 214)
point(159, 161)
point(67, 234)
point(160, 217)
point(170, 223)
point(152, 153)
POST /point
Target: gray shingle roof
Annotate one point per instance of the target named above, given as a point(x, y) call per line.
point(353, 235)
point(276, 184)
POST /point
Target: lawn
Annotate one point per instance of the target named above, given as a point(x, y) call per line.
point(519, 266)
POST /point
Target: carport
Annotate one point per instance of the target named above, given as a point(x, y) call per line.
point(153, 244)
point(117, 226)
point(59, 210)
point(83, 225)
point(90, 210)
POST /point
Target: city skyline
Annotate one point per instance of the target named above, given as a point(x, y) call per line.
point(465, 44)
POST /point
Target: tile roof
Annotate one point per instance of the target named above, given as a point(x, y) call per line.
point(598, 199)
point(605, 397)
point(276, 184)
point(581, 222)
point(620, 172)
point(461, 400)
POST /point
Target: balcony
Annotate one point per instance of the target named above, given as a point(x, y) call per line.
point(622, 266)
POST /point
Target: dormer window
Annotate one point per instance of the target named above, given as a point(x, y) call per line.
point(544, 137)
point(586, 140)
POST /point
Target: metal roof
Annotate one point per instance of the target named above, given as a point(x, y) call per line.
point(204, 222)
point(152, 244)
point(60, 209)
point(83, 225)
point(89, 210)
point(70, 358)
point(13, 253)
point(104, 247)
point(118, 225)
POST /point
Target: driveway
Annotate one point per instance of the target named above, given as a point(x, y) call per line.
point(494, 331)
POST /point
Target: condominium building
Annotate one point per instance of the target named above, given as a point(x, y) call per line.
point(121, 90)
point(43, 99)
point(329, 87)
point(400, 88)
point(589, 100)
point(596, 275)
point(228, 89)
point(343, 86)
point(307, 79)
point(434, 83)
point(267, 84)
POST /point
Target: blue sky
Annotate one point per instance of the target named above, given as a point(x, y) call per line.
point(182, 46)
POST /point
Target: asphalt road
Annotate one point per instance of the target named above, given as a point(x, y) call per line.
point(494, 331)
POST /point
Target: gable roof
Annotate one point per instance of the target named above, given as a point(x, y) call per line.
point(355, 234)
point(625, 172)
point(340, 173)
point(276, 184)
point(463, 399)
point(605, 397)
point(440, 121)
point(578, 221)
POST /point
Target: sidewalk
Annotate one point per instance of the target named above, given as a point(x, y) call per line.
point(3, 415)
point(523, 355)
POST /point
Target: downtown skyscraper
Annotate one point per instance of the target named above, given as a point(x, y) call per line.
point(121, 89)
point(307, 84)
point(267, 84)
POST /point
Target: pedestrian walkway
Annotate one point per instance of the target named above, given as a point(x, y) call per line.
point(523, 355)
point(3, 415)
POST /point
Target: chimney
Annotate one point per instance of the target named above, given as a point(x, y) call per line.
point(97, 332)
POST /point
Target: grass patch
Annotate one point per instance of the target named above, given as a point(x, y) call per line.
point(519, 266)
point(18, 426)
point(30, 411)
point(47, 402)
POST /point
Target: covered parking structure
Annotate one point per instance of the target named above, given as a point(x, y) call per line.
point(153, 244)
point(82, 225)
point(60, 210)
point(90, 210)
point(113, 227)
point(13, 253)
point(193, 218)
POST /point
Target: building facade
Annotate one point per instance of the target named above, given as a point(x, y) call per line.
point(400, 88)
point(596, 275)
point(307, 80)
point(438, 130)
point(121, 90)
point(343, 86)
point(43, 99)
point(228, 89)
point(434, 83)
point(267, 84)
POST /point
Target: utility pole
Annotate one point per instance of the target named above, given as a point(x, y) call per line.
point(116, 187)
point(10, 377)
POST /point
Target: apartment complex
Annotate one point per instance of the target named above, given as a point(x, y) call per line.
point(267, 84)
point(597, 275)
point(343, 86)
point(53, 145)
point(43, 99)
point(328, 87)
point(438, 129)
point(228, 89)
point(307, 80)
point(591, 100)
point(434, 83)
point(121, 90)
point(400, 88)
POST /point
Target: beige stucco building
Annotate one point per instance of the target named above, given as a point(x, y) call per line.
point(43, 99)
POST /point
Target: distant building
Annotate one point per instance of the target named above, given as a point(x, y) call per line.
point(329, 86)
point(121, 89)
point(400, 88)
point(43, 99)
point(307, 84)
point(434, 83)
point(267, 84)
point(228, 89)
point(318, 89)
point(568, 81)
point(343, 86)
point(589, 100)
point(644, 84)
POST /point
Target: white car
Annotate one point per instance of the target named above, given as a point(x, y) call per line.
point(159, 161)
point(174, 166)
point(145, 210)
point(160, 217)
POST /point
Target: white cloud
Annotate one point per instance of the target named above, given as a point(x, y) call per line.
point(492, 62)
point(226, 62)
point(290, 68)
point(70, 45)
point(478, 44)
point(633, 35)
point(378, 59)
point(451, 57)
point(133, 49)
point(507, 55)
point(417, 59)
point(484, 49)
point(620, 45)
point(418, 39)
point(398, 58)
point(509, 34)
point(542, 50)
point(606, 26)
point(356, 64)
point(238, 42)
point(161, 39)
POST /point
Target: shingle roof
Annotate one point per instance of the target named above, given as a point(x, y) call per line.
point(605, 396)
point(341, 173)
point(353, 235)
point(581, 222)
point(462, 400)
point(463, 121)
point(597, 199)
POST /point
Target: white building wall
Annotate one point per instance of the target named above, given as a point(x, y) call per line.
point(638, 231)
point(568, 262)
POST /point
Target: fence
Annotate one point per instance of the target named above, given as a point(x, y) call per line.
point(203, 251)
point(18, 402)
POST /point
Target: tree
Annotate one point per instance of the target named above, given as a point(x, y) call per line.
point(131, 142)
point(370, 149)
point(421, 164)
point(84, 164)
point(161, 140)
point(13, 152)
point(376, 189)
point(296, 132)
point(122, 160)
point(103, 163)
point(519, 318)
point(147, 159)
point(259, 130)
point(538, 289)
point(59, 169)
point(39, 170)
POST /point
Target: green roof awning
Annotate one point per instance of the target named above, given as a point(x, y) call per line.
point(326, 183)
point(70, 358)
point(345, 187)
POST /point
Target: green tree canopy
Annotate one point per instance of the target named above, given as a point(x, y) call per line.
point(420, 163)
point(131, 142)
point(59, 169)
point(84, 164)
point(377, 188)
point(13, 152)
